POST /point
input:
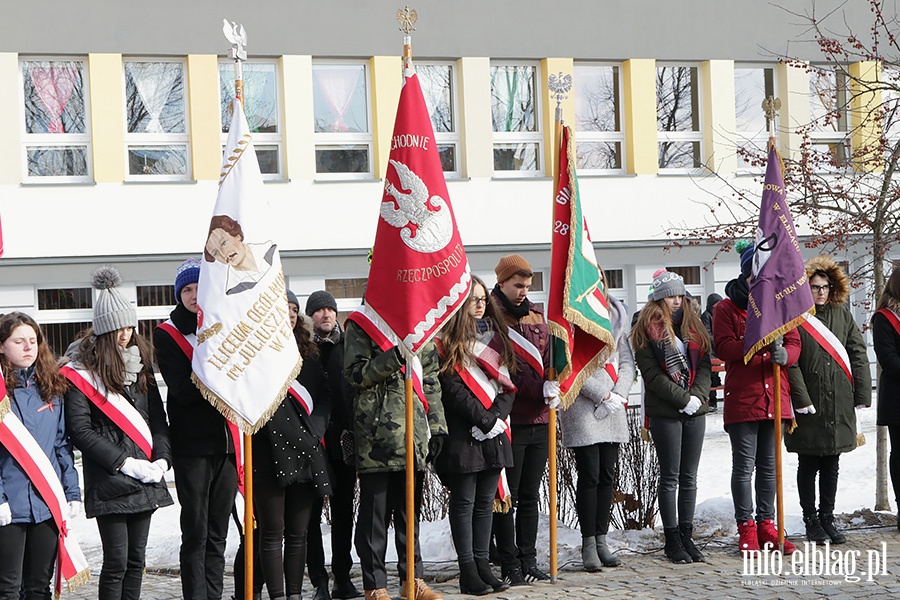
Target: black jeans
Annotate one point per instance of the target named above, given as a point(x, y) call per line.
point(206, 488)
point(679, 443)
point(343, 487)
point(283, 517)
point(124, 540)
point(240, 569)
point(381, 497)
point(27, 556)
point(516, 531)
point(894, 460)
point(596, 467)
point(826, 467)
point(753, 447)
point(471, 512)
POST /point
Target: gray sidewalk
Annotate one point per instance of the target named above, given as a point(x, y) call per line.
point(652, 576)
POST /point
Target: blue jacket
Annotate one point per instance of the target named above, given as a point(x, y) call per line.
point(47, 424)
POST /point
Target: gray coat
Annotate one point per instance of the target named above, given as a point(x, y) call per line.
point(578, 424)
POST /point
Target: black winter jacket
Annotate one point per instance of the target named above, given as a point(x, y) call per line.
point(342, 394)
point(887, 348)
point(289, 445)
point(104, 447)
point(196, 428)
point(462, 453)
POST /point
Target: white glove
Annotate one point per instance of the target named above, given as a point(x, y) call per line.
point(154, 475)
point(692, 406)
point(74, 509)
point(499, 427)
point(551, 389)
point(478, 434)
point(613, 405)
point(5, 514)
point(138, 469)
point(552, 402)
point(616, 397)
point(807, 410)
point(162, 465)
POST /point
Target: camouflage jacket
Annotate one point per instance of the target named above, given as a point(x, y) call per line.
point(379, 411)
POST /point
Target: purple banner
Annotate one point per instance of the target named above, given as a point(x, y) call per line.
point(779, 291)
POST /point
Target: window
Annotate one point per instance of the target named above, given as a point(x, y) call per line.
point(60, 335)
point(598, 118)
point(828, 109)
point(341, 113)
point(678, 117)
point(262, 109)
point(56, 140)
point(514, 116)
point(156, 295)
point(615, 279)
point(64, 298)
point(890, 111)
point(156, 138)
point(439, 88)
point(751, 86)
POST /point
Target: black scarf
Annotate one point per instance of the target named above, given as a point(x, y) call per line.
point(739, 292)
point(519, 311)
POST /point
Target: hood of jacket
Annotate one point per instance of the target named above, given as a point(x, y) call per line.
point(840, 283)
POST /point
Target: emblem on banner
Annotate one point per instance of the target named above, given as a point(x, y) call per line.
point(425, 224)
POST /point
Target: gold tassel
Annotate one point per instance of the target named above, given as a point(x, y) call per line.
point(502, 506)
point(645, 434)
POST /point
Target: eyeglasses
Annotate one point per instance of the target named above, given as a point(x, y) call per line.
point(475, 300)
point(820, 288)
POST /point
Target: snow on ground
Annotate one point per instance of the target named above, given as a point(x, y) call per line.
point(714, 517)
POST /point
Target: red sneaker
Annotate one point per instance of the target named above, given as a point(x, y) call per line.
point(767, 534)
point(748, 541)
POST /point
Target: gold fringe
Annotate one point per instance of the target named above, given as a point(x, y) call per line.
point(502, 506)
point(4, 406)
point(768, 339)
point(790, 428)
point(645, 434)
point(229, 413)
point(80, 579)
point(860, 439)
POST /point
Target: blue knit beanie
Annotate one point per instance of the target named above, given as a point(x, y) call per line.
point(747, 261)
point(187, 272)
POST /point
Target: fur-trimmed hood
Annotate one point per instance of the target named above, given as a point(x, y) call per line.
point(840, 283)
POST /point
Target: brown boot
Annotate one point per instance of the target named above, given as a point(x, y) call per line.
point(379, 594)
point(423, 592)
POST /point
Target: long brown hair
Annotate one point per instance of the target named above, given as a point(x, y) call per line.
point(459, 332)
point(303, 334)
point(890, 296)
point(51, 384)
point(655, 322)
point(101, 356)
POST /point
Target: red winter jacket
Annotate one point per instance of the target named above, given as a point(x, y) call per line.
point(749, 389)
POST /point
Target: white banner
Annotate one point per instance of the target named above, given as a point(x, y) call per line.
point(246, 356)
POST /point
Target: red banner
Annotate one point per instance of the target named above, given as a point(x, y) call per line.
point(419, 275)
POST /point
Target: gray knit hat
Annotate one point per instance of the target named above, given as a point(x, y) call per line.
point(318, 300)
point(111, 310)
point(666, 283)
point(292, 299)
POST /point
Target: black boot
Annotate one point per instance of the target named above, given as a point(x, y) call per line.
point(827, 522)
point(487, 575)
point(814, 531)
point(513, 576)
point(344, 589)
point(322, 592)
point(674, 548)
point(687, 530)
point(470, 582)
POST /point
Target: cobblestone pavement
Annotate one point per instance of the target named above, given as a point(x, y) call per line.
point(854, 571)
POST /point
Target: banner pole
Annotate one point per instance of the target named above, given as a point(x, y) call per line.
point(779, 497)
point(249, 525)
point(410, 487)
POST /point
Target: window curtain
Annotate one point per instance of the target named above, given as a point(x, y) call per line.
point(154, 83)
point(54, 87)
point(338, 86)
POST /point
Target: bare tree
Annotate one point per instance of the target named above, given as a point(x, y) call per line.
point(846, 194)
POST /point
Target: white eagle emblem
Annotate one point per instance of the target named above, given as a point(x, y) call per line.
point(422, 229)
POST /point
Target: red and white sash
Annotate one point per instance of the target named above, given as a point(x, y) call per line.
point(387, 340)
point(892, 318)
point(483, 379)
point(116, 407)
point(187, 343)
point(71, 564)
point(828, 341)
point(527, 351)
point(302, 396)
